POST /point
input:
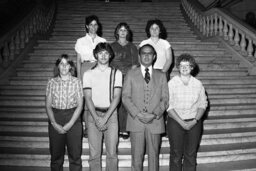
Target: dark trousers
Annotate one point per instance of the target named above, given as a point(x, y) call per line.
point(72, 139)
point(183, 145)
point(122, 118)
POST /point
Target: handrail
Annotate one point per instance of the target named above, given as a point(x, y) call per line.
point(216, 22)
point(38, 21)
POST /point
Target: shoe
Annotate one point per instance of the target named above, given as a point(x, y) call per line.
point(85, 135)
point(124, 135)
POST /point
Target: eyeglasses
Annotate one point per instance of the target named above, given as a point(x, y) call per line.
point(184, 66)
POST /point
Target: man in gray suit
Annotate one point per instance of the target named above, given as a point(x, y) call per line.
point(145, 96)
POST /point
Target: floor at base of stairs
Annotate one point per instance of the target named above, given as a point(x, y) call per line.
point(227, 166)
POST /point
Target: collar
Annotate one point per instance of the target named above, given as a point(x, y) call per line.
point(69, 78)
point(142, 68)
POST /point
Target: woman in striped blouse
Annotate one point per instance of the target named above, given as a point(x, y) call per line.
point(64, 99)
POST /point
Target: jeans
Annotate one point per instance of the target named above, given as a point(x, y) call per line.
point(72, 139)
point(183, 145)
point(95, 139)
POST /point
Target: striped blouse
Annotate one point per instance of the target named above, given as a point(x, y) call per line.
point(64, 93)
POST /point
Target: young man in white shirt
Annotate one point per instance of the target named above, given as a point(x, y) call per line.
point(102, 88)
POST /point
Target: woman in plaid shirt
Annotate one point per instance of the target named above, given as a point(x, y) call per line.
point(187, 104)
point(64, 99)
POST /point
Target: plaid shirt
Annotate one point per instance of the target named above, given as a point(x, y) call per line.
point(64, 93)
point(186, 99)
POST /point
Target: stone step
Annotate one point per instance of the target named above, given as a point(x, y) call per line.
point(231, 113)
point(214, 140)
point(124, 160)
point(175, 45)
point(204, 65)
point(40, 113)
point(209, 125)
point(36, 81)
point(134, 26)
point(204, 73)
point(111, 39)
point(204, 58)
point(231, 90)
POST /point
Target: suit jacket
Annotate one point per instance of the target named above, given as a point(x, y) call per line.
point(156, 102)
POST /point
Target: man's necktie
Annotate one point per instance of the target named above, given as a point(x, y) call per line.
point(147, 76)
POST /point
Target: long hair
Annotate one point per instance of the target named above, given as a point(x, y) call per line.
point(72, 70)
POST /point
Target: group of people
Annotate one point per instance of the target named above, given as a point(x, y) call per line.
point(111, 107)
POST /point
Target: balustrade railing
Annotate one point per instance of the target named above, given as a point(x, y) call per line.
point(216, 22)
point(38, 21)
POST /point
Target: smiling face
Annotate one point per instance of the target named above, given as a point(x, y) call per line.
point(154, 30)
point(93, 27)
point(103, 57)
point(147, 56)
point(185, 68)
point(64, 67)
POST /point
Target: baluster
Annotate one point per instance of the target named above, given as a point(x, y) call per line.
point(31, 29)
point(237, 40)
point(26, 28)
point(6, 55)
point(34, 24)
point(207, 26)
point(231, 35)
point(17, 43)
point(204, 26)
point(12, 49)
point(211, 25)
point(225, 30)
point(22, 38)
point(215, 24)
point(201, 24)
point(243, 45)
point(220, 27)
point(250, 50)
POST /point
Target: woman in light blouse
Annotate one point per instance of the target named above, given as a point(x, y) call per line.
point(187, 104)
point(64, 101)
point(157, 34)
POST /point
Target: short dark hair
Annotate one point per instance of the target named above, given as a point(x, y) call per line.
point(104, 46)
point(185, 57)
point(91, 18)
point(70, 62)
point(162, 34)
point(126, 26)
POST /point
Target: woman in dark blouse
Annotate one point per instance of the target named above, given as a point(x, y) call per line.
point(126, 57)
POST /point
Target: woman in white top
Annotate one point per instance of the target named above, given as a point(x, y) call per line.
point(156, 34)
point(84, 47)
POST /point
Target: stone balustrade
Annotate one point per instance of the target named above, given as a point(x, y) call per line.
point(38, 21)
point(216, 22)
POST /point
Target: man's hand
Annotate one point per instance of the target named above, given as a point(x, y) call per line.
point(145, 117)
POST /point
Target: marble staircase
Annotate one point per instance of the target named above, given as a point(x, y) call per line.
point(229, 138)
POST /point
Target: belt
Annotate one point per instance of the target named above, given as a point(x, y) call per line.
point(89, 61)
point(104, 110)
point(187, 120)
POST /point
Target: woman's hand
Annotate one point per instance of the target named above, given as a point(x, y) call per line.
point(59, 128)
